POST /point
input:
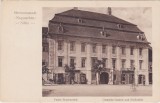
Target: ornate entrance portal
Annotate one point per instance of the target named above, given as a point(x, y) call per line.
point(104, 78)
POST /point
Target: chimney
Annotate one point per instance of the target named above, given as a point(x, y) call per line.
point(75, 8)
point(109, 11)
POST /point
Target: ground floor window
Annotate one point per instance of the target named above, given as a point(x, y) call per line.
point(141, 79)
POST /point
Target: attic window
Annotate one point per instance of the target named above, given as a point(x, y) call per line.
point(60, 28)
point(80, 20)
point(120, 26)
point(141, 36)
point(104, 33)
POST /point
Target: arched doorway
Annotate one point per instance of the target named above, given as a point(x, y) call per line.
point(104, 78)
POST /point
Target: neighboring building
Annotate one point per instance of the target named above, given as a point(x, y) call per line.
point(83, 37)
point(150, 64)
point(45, 47)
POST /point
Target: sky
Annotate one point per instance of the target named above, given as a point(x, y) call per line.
point(141, 16)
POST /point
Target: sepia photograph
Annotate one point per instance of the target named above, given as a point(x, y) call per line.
point(96, 51)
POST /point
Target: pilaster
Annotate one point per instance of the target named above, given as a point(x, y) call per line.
point(88, 62)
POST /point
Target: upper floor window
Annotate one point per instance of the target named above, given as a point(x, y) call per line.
point(72, 61)
point(83, 47)
point(120, 26)
point(103, 48)
point(132, 63)
point(60, 44)
point(113, 49)
point(104, 60)
point(123, 50)
point(94, 60)
point(123, 63)
point(114, 63)
point(72, 45)
point(94, 48)
point(140, 64)
point(83, 62)
point(140, 51)
point(131, 50)
point(60, 61)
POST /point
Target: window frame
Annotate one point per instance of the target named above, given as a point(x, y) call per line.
point(72, 45)
point(72, 62)
point(140, 64)
point(132, 63)
point(83, 47)
point(123, 50)
point(131, 50)
point(123, 61)
point(140, 51)
point(60, 44)
point(83, 62)
point(114, 63)
point(104, 48)
point(113, 49)
point(94, 48)
point(60, 65)
point(104, 62)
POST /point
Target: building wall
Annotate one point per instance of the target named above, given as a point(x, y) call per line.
point(66, 54)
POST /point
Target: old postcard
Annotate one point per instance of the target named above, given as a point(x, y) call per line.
point(80, 51)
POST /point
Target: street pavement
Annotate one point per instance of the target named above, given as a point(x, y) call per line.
point(96, 90)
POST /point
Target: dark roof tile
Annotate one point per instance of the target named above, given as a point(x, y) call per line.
point(94, 15)
point(94, 33)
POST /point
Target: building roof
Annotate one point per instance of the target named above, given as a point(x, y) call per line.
point(90, 24)
point(93, 15)
point(90, 32)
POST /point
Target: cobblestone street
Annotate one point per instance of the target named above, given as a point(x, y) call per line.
point(96, 90)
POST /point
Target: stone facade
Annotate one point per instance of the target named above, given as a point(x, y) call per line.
point(66, 54)
point(78, 40)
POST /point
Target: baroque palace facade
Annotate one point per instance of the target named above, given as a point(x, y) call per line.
point(83, 37)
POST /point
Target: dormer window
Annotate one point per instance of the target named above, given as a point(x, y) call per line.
point(104, 33)
point(60, 28)
point(120, 26)
point(141, 36)
point(80, 20)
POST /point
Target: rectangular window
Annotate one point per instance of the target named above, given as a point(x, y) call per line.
point(123, 63)
point(83, 62)
point(83, 47)
point(94, 48)
point(60, 45)
point(113, 49)
point(140, 51)
point(103, 48)
point(60, 61)
point(132, 63)
point(104, 60)
point(123, 50)
point(72, 61)
point(94, 60)
point(140, 64)
point(131, 50)
point(72, 46)
point(114, 63)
